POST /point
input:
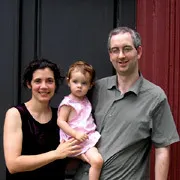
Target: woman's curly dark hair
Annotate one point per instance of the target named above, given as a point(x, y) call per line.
point(42, 64)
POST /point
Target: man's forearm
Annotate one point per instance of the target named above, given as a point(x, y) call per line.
point(162, 158)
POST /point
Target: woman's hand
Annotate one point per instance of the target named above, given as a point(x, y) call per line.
point(68, 148)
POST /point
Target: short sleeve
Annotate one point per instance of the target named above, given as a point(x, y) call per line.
point(164, 130)
point(69, 102)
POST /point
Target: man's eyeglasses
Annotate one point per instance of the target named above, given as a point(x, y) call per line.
point(116, 50)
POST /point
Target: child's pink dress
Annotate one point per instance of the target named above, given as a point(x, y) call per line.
point(82, 121)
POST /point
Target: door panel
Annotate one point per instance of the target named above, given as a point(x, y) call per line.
point(68, 31)
point(76, 30)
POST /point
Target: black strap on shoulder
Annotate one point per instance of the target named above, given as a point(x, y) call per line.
point(22, 110)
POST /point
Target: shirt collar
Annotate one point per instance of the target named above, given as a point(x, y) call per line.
point(112, 82)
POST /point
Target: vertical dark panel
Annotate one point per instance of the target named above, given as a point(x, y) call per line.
point(37, 29)
point(9, 50)
point(29, 36)
point(74, 30)
point(125, 13)
point(159, 24)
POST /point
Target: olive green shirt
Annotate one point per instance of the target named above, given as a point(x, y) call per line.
point(129, 124)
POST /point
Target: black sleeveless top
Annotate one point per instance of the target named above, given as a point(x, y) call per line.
point(39, 138)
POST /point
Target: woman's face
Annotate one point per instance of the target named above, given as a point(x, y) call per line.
point(42, 85)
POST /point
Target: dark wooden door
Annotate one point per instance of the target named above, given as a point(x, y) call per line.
point(62, 31)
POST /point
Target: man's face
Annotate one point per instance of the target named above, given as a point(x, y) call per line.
point(123, 55)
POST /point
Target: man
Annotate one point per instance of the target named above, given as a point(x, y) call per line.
point(132, 114)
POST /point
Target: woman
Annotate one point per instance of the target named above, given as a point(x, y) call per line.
point(31, 135)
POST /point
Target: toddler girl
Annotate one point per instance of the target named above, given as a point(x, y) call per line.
point(75, 118)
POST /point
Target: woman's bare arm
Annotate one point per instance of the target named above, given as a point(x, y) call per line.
point(12, 141)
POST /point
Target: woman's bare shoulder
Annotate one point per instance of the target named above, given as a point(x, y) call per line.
point(12, 115)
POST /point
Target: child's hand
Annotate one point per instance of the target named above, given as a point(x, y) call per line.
point(81, 136)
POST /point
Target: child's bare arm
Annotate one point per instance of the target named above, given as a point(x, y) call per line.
point(63, 118)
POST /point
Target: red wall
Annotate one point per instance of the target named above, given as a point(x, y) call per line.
point(158, 22)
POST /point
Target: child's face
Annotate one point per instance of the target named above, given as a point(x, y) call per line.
point(79, 83)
